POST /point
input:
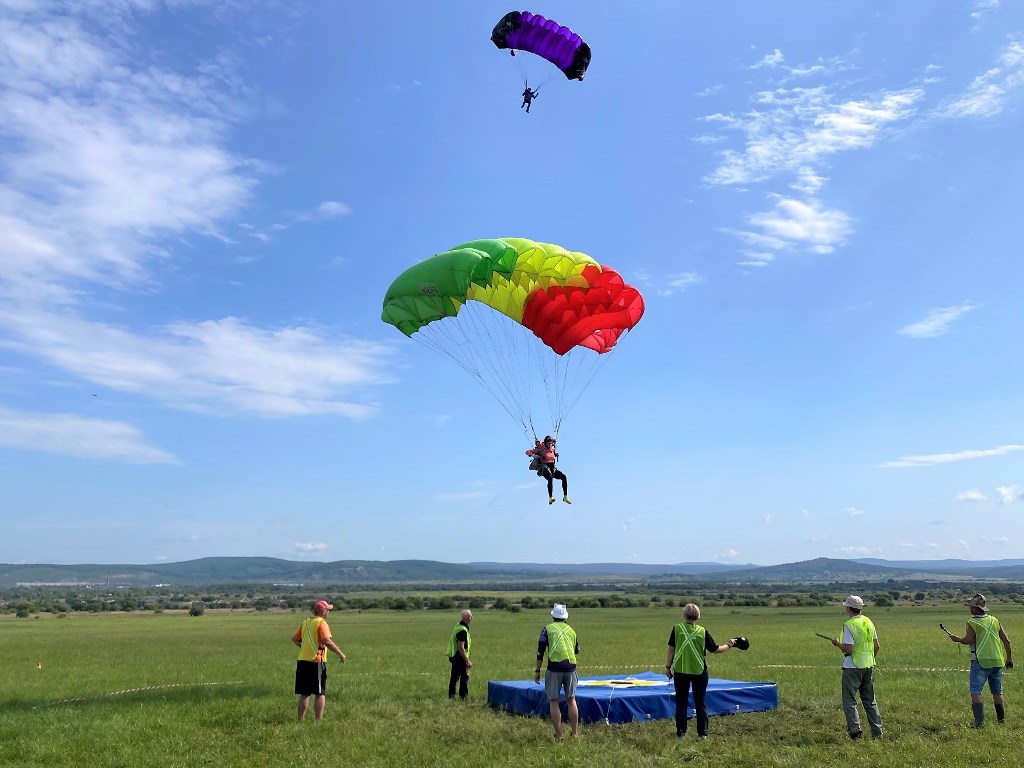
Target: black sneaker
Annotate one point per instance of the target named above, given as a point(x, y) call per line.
point(856, 734)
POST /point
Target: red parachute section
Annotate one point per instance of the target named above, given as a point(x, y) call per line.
point(594, 316)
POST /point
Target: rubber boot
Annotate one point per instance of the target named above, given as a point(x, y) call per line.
point(979, 714)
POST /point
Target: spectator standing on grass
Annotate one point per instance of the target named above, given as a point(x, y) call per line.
point(686, 666)
point(558, 642)
point(458, 655)
point(314, 640)
point(859, 645)
point(990, 654)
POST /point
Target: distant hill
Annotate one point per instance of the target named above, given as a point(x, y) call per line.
point(821, 569)
point(630, 569)
point(1006, 570)
point(243, 570)
point(269, 570)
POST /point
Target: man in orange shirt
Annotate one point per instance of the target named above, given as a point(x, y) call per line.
point(314, 640)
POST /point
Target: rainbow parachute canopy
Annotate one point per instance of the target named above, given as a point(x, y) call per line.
point(529, 321)
point(565, 298)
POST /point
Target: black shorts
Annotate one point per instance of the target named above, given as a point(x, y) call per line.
point(310, 678)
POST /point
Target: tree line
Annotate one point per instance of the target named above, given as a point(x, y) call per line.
point(27, 601)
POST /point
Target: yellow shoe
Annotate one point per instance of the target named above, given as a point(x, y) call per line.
point(567, 500)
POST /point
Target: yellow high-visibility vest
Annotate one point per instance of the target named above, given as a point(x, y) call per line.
point(988, 648)
point(561, 642)
point(690, 652)
point(863, 633)
point(310, 649)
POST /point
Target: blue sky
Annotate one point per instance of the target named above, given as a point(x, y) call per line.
point(202, 204)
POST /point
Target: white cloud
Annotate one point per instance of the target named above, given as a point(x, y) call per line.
point(857, 551)
point(767, 518)
point(307, 548)
point(796, 131)
point(971, 494)
point(107, 158)
point(1010, 493)
point(756, 258)
point(773, 59)
point(667, 285)
point(213, 366)
point(981, 8)
point(678, 283)
point(102, 157)
point(945, 458)
point(987, 94)
point(808, 182)
point(329, 209)
point(937, 322)
point(711, 89)
point(793, 222)
point(727, 554)
point(792, 129)
point(854, 512)
point(1000, 541)
point(71, 435)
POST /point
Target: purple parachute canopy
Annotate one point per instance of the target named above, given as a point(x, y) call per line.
point(525, 31)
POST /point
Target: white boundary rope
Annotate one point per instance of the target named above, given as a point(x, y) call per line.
point(887, 669)
point(100, 696)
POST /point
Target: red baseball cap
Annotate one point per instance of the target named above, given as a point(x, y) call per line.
point(321, 606)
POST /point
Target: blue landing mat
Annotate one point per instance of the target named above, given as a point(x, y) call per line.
point(627, 698)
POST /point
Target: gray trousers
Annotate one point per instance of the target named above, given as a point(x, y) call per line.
point(858, 682)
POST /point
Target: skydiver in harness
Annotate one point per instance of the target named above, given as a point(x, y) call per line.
point(528, 97)
point(546, 454)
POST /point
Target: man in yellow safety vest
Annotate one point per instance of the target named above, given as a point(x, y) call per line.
point(859, 645)
point(990, 653)
point(459, 642)
point(314, 640)
point(558, 642)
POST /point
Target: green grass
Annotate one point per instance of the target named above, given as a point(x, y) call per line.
point(231, 702)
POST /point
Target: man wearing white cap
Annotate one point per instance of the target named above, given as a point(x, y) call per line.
point(314, 640)
point(990, 653)
point(558, 642)
point(859, 645)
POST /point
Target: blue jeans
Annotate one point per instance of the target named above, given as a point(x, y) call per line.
point(979, 675)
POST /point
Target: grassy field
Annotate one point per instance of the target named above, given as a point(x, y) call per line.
point(173, 690)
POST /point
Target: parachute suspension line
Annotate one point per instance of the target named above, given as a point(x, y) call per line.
point(586, 373)
point(508, 339)
point(522, 70)
point(498, 350)
point(549, 79)
point(450, 340)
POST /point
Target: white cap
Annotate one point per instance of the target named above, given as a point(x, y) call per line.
point(559, 612)
point(854, 602)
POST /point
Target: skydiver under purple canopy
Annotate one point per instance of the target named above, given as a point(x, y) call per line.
point(528, 97)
